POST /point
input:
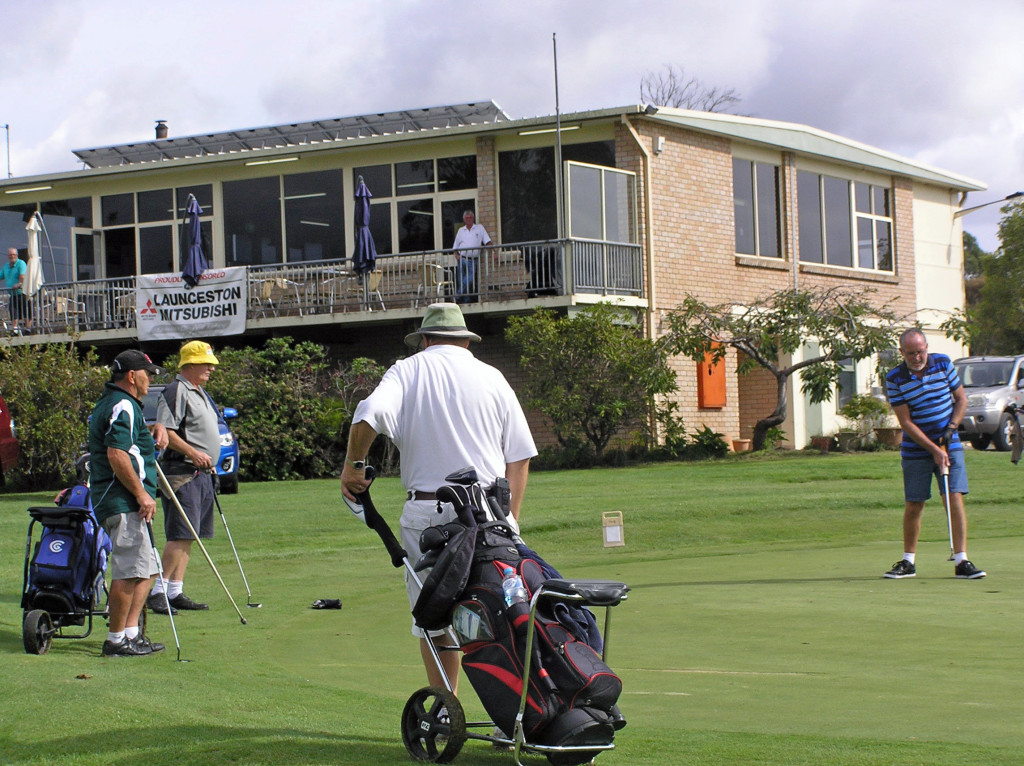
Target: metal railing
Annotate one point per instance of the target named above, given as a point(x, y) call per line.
point(501, 273)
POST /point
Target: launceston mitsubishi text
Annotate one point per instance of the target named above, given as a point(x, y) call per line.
point(198, 304)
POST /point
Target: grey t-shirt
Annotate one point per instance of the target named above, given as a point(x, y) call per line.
point(192, 415)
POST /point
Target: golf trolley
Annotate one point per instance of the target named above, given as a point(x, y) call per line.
point(63, 584)
point(550, 690)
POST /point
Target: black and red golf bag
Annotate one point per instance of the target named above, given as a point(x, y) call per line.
point(571, 691)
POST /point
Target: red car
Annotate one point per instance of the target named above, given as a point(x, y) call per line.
point(8, 442)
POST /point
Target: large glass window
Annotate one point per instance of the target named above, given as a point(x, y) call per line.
point(415, 225)
point(756, 208)
point(874, 227)
point(118, 209)
point(156, 205)
point(314, 218)
point(156, 249)
point(835, 213)
point(414, 178)
point(527, 187)
point(600, 203)
point(252, 221)
point(203, 194)
point(456, 173)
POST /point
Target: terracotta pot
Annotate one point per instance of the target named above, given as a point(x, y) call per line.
point(741, 445)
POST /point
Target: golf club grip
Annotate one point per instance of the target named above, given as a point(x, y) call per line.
point(375, 522)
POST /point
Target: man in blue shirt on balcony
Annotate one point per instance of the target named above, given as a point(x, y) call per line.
point(929, 401)
point(468, 241)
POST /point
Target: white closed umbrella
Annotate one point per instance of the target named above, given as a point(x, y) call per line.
point(34, 272)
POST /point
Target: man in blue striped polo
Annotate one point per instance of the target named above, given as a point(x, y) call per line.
point(929, 401)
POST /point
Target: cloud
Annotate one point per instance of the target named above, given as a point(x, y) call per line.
point(935, 80)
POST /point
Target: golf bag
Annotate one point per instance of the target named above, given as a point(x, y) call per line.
point(69, 561)
point(571, 691)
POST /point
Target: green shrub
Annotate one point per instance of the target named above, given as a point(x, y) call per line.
point(51, 391)
point(287, 425)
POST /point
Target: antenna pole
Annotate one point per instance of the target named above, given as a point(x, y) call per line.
point(559, 191)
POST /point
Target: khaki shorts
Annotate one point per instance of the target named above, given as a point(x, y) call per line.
point(417, 515)
point(132, 556)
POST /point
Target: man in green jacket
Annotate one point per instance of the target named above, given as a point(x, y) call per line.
point(124, 481)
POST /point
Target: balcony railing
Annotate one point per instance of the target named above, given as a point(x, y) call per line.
point(504, 273)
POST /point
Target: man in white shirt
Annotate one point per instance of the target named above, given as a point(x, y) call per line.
point(445, 410)
point(468, 241)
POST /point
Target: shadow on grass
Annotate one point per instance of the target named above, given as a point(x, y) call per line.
point(154, 744)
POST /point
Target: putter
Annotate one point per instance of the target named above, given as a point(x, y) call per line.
point(169, 493)
point(163, 584)
point(949, 517)
point(249, 602)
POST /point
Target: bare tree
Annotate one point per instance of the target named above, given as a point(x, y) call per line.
point(673, 87)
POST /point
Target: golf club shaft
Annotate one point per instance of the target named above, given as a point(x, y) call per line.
point(949, 515)
point(174, 500)
point(163, 585)
point(234, 550)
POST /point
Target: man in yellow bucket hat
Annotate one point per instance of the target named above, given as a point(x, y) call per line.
point(191, 418)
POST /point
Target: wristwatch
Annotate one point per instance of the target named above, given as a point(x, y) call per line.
point(359, 465)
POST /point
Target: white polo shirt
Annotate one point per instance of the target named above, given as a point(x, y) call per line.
point(446, 410)
point(469, 241)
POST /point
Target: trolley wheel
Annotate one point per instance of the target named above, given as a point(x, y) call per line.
point(433, 725)
point(37, 631)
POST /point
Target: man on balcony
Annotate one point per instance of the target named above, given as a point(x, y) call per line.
point(468, 241)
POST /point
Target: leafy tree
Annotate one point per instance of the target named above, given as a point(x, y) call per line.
point(974, 270)
point(843, 323)
point(993, 320)
point(284, 424)
point(51, 391)
point(674, 87)
point(591, 374)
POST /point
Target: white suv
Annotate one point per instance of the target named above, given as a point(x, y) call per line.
point(993, 385)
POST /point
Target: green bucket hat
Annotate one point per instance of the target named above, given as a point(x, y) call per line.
point(444, 320)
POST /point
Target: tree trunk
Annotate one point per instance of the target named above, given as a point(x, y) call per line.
point(776, 418)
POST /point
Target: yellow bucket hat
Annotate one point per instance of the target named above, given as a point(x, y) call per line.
point(197, 352)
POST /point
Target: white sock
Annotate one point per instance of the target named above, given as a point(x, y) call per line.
point(908, 557)
point(131, 631)
point(174, 588)
point(960, 557)
point(158, 587)
point(115, 638)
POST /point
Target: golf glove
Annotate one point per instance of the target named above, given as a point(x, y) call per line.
point(947, 436)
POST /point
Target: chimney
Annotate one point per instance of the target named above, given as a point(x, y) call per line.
point(161, 129)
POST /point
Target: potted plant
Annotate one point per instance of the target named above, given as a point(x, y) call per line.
point(863, 413)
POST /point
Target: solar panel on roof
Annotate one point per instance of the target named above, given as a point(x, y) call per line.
point(294, 134)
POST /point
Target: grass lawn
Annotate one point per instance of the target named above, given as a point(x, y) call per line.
point(759, 629)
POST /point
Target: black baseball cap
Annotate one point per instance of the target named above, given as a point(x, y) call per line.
point(133, 359)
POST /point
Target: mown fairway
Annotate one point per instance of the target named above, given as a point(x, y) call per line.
point(759, 629)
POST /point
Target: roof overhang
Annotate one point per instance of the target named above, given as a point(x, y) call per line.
point(808, 141)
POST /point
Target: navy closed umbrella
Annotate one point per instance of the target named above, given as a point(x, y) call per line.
point(364, 257)
point(195, 262)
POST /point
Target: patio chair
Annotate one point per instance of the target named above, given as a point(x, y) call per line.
point(436, 283)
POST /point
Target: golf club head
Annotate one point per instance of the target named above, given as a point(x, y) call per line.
point(254, 606)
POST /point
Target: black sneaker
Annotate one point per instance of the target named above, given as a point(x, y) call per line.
point(901, 569)
point(142, 641)
point(126, 647)
point(181, 601)
point(157, 604)
point(965, 570)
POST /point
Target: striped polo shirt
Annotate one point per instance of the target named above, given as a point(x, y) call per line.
point(930, 398)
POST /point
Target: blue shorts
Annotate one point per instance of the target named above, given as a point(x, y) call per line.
point(918, 473)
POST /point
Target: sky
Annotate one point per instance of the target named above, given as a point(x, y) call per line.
point(938, 81)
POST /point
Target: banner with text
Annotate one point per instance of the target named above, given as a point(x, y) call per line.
point(168, 308)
